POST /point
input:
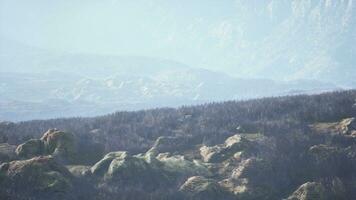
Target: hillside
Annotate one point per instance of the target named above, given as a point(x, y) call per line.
point(296, 148)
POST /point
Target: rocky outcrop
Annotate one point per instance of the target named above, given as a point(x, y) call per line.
point(325, 190)
point(181, 166)
point(251, 180)
point(330, 161)
point(63, 146)
point(36, 178)
point(134, 169)
point(59, 144)
point(219, 153)
point(244, 167)
point(201, 188)
point(31, 148)
point(346, 127)
point(7, 152)
point(171, 144)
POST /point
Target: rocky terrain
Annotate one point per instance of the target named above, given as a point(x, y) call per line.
point(308, 161)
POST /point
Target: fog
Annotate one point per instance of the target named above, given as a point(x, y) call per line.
point(156, 53)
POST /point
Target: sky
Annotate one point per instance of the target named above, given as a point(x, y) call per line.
point(154, 28)
point(273, 39)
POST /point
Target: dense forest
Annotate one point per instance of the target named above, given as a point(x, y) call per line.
point(295, 147)
point(136, 131)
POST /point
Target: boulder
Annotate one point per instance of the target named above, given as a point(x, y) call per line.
point(36, 178)
point(64, 147)
point(198, 187)
point(219, 153)
point(330, 161)
point(324, 190)
point(120, 170)
point(252, 180)
point(348, 125)
point(31, 148)
point(171, 144)
point(179, 165)
point(7, 152)
point(59, 144)
point(79, 170)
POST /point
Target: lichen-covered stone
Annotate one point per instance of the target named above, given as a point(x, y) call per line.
point(222, 152)
point(7, 152)
point(31, 148)
point(59, 144)
point(251, 180)
point(198, 187)
point(64, 147)
point(178, 164)
point(170, 144)
point(101, 167)
point(36, 178)
point(79, 170)
point(325, 190)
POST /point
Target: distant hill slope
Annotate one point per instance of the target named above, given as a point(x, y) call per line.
point(296, 148)
point(136, 131)
point(34, 81)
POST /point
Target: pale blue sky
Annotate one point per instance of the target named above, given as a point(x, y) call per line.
point(157, 28)
point(276, 39)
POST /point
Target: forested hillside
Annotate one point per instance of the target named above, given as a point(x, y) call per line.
point(136, 131)
point(295, 148)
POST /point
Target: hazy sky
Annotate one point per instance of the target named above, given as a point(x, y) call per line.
point(157, 28)
point(276, 39)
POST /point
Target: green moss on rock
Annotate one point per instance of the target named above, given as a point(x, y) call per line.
point(198, 187)
point(31, 148)
point(35, 178)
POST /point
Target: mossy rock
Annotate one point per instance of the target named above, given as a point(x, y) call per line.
point(118, 170)
point(59, 144)
point(331, 161)
point(171, 144)
point(219, 153)
point(79, 170)
point(252, 180)
point(323, 190)
point(31, 148)
point(7, 152)
point(101, 167)
point(198, 187)
point(180, 166)
point(64, 147)
point(36, 178)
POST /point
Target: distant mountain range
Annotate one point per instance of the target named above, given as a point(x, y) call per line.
point(279, 47)
point(85, 85)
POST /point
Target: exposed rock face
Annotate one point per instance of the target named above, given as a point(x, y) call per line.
point(121, 166)
point(165, 144)
point(345, 127)
point(330, 161)
point(326, 190)
point(59, 144)
point(31, 148)
point(251, 180)
point(63, 147)
point(198, 187)
point(222, 152)
point(244, 167)
point(180, 165)
point(7, 152)
point(36, 178)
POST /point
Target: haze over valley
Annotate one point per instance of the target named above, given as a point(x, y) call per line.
point(73, 59)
